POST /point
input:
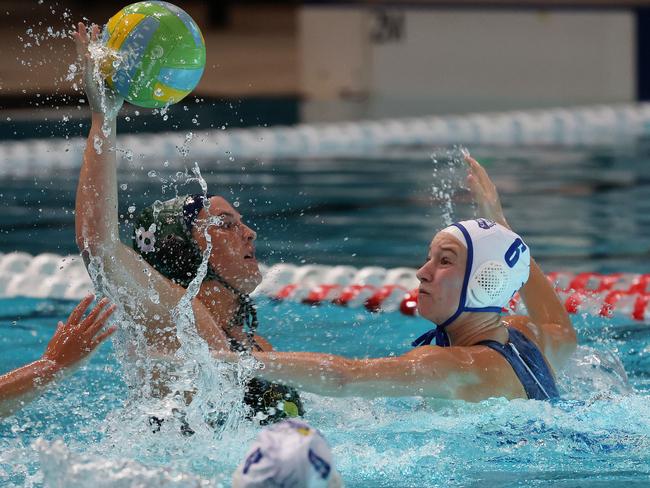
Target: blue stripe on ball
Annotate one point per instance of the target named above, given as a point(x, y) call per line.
point(134, 47)
point(179, 78)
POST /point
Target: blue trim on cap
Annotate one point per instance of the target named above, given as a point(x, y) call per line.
point(442, 339)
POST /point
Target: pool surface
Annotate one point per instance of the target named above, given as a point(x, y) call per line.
point(578, 209)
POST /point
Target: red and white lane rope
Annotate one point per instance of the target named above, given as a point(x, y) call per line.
point(625, 295)
point(607, 295)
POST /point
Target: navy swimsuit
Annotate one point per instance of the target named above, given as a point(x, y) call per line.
point(529, 365)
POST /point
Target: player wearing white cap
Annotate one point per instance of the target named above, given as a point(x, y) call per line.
point(473, 268)
point(290, 454)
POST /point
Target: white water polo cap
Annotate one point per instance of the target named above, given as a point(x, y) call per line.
point(498, 264)
point(290, 454)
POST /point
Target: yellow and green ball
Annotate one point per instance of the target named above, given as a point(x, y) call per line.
point(160, 53)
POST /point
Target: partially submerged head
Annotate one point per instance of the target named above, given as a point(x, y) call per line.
point(289, 453)
point(472, 266)
point(172, 237)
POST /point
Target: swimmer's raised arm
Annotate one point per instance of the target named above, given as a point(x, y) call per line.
point(547, 320)
point(96, 217)
point(96, 204)
point(72, 342)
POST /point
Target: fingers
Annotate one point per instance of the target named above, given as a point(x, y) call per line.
point(477, 172)
point(102, 337)
point(88, 321)
point(473, 183)
point(99, 323)
point(80, 309)
point(94, 32)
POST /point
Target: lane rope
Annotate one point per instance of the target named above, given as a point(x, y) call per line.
point(377, 289)
point(582, 126)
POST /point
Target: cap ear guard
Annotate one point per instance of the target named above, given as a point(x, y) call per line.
point(489, 284)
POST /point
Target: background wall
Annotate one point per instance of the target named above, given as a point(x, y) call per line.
point(402, 61)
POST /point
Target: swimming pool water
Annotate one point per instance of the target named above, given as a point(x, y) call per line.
point(579, 209)
point(599, 434)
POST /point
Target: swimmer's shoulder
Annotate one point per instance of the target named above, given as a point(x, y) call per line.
point(555, 341)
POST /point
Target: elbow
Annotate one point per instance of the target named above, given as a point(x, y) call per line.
point(88, 247)
point(91, 243)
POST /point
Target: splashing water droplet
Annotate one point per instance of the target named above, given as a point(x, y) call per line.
point(152, 174)
point(235, 204)
point(97, 144)
point(123, 186)
point(131, 209)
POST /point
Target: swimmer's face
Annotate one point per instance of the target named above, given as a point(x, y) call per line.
point(441, 278)
point(233, 244)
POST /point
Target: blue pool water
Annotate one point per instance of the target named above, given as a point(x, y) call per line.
point(600, 434)
point(579, 209)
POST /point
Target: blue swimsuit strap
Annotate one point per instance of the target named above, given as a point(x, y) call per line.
point(528, 364)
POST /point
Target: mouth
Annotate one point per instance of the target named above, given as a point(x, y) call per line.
point(250, 256)
point(422, 292)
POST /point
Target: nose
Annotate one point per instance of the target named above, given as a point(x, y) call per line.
point(249, 234)
point(425, 272)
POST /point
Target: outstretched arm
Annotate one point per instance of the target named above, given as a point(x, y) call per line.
point(548, 319)
point(71, 343)
point(431, 371)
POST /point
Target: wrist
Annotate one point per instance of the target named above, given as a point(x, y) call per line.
point(502, 221)
point(99, 117)
point(48, 367)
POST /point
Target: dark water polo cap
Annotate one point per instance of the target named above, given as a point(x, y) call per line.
point(163, 237)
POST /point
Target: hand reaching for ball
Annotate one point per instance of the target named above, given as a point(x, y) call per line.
point(101, 98)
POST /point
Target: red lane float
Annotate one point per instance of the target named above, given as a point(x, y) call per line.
point(598, 297)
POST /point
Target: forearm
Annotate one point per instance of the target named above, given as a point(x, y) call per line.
point(542, 302)
point(24, 384)
point(96, 218)
point(323, 374)
point(329, 375)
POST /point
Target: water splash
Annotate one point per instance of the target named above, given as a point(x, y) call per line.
point(65, 469)
point(448, 175)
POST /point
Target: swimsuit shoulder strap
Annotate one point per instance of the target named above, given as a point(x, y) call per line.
point(529, 365)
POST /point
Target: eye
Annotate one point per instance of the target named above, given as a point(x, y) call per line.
point(445, 260)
